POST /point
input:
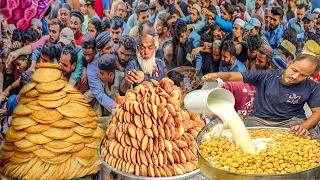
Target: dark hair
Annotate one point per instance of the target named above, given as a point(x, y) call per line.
point(176, 76)
point(280, 2)
point(141, 26)
point(212, 9)
point(68, 49)
point(49, 50)
point(167, 43)
point(228, 46)
point(214, 27)
point(290, 34)
point(286, 52)
point(301, 6)
point(141, 8)
point(180, 28)
point(254, 42)
point(56, 21)
point(313, 36)
point(277, 11)
point(31, 35)
point(147, 2)
point(162, 2)
point(17, 35)
point(163, 18)
point(23, 58)
point(96, 23)
point(229, 7)
point(47, 12)
point(105, 24)
point(206, 38)
point(127, 42)
point(117, 22)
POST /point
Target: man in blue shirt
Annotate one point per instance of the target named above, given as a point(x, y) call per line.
point(187, 42)
point(274, 33)
point(146, 62)
point(281, 95)
point(229, 62)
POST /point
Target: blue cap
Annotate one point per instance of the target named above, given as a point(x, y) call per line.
point(254, 22)
point(308, 16)
point(279, 62)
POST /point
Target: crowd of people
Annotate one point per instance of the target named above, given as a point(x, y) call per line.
point(270, 47)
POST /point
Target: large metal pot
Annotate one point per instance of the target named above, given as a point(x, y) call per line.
point(211, 172)
point(108, 169)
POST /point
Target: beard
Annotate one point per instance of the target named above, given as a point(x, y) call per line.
point(226, 64)
point(146, 64)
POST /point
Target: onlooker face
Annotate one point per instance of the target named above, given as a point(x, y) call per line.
point(124, 55)
point(121, 10)
point(254, 31)
point(261, 61)
point(83, 9)
point(65, 16)
point(65, 65)
point(183, 37)
point(54, 33)
point(105, 76)
point(300, 14)
point(276, 4)
point(308, 25)
point(168, 53)
point(194, 16)
point(174, 18)
point(275, 21)
point(204, 3)
point(116, 34)
point(216, 54)
point(88, 54)
point(217, 34)
point(107, 49)
point(210, 20)
point(237, 30)
point(259, 3)
point(227, 59)
point(225, 14)
point(4, 22)
point(143, 16)
point(267, 17)
point(159, 27)
point(37, 29)
point(291, 3)
point(189, 8)
point(92, 30)
point(147, 47)
point(21, 65)
point(75, 25)
point(44, 59)
point(297, 72)
point(148, 30)
point(252, 54)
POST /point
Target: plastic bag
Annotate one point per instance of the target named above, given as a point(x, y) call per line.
point(20, 12)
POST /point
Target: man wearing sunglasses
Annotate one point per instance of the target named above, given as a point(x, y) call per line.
point(146, 62)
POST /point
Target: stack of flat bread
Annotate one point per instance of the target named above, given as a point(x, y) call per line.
point(54, 133)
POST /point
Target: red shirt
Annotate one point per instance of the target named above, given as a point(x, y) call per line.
point(98, 8)
point(78, 41)
point(244, 95)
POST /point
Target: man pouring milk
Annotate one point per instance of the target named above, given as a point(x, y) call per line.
point(281, 95)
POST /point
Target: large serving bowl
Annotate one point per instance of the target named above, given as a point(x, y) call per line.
point(211, 172)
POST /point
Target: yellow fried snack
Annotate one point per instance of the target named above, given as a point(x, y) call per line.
point(28, 87)
point(73, 110)
point(53, 104)
point(53, 96)
point(44, 75)
point(47, 65)
point(51, 86)
point(22, 110)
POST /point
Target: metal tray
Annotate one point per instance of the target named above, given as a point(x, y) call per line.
point(127, 176)
point(211, 172)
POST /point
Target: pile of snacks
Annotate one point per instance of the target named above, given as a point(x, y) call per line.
point(150, 135)
point(54, 133)
point(283, 153)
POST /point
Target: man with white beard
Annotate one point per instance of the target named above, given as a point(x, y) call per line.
point(146, 62)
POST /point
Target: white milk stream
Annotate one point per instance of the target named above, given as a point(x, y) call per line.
point(225, 111)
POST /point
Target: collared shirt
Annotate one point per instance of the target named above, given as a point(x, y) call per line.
point(237, 67)
point(274, 36)
point(258, 13)
point(96, 86)
point(126, 29)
